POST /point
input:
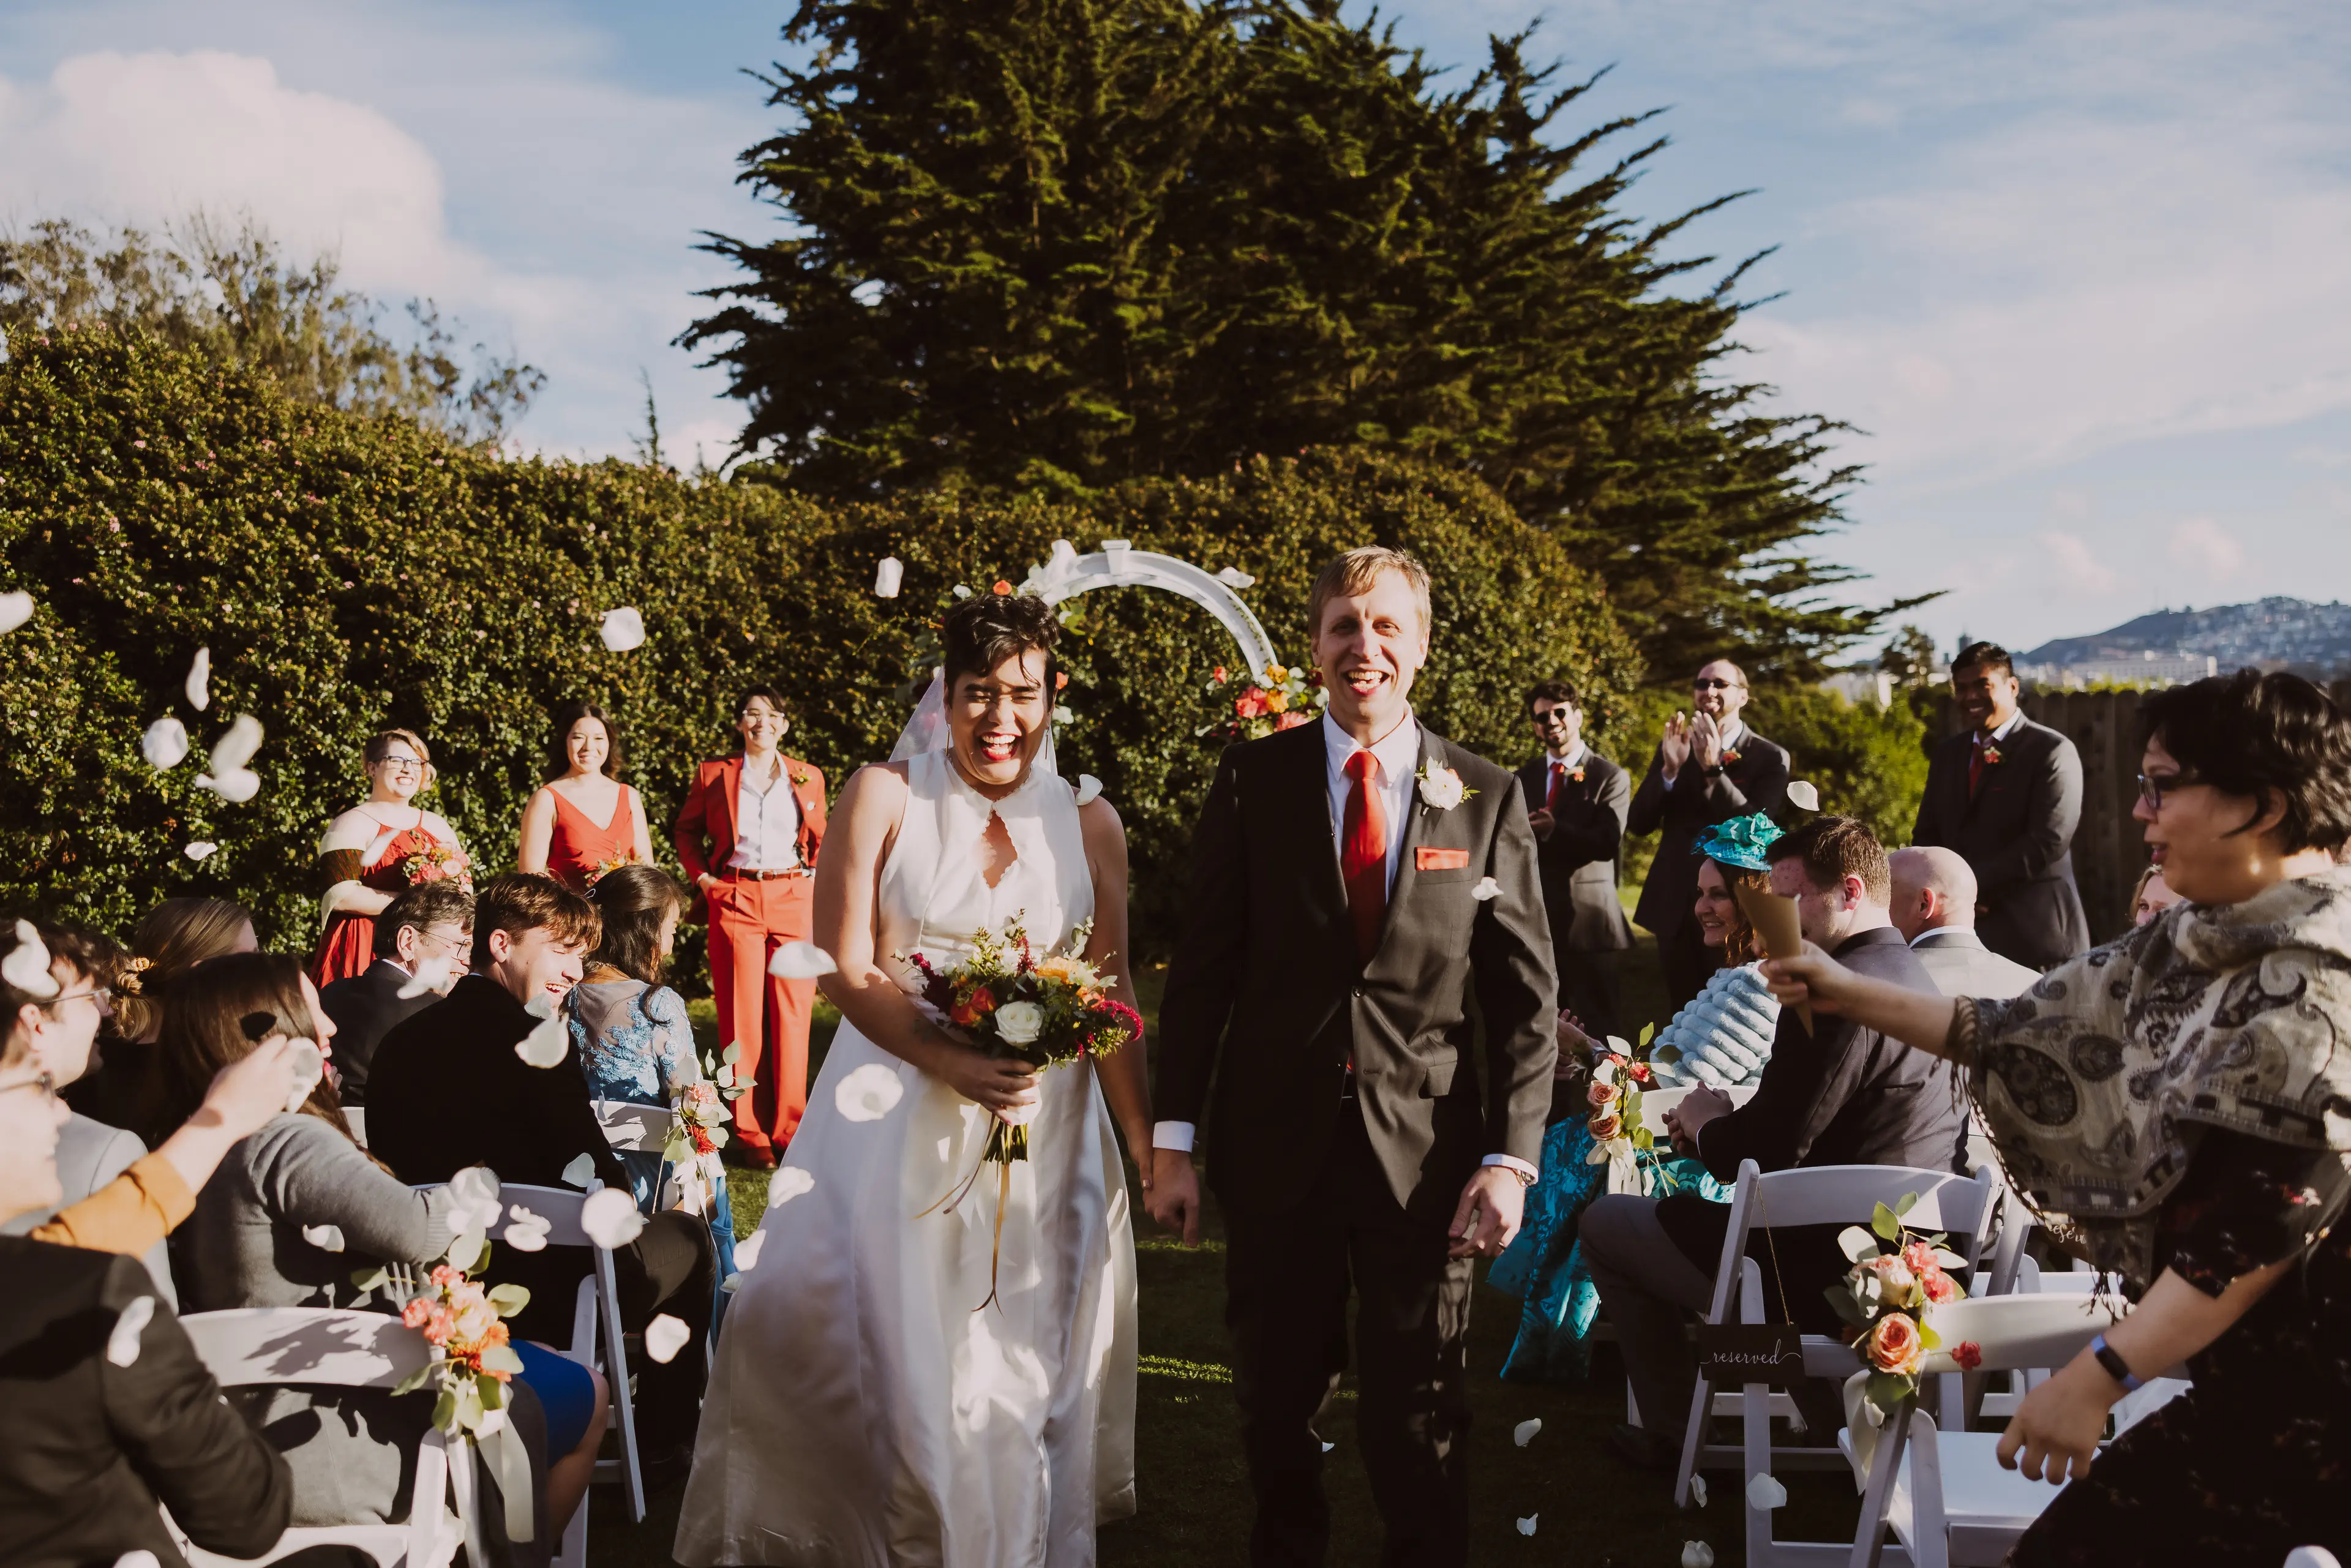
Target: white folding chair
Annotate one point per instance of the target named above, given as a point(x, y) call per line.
point(641, 1129)
point(320, 1347)
point(1819, 1195)
point(1655, 1103)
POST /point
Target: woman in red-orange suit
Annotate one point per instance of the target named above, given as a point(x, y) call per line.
point(747, 836)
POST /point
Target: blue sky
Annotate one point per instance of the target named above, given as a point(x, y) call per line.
point(2081, 274)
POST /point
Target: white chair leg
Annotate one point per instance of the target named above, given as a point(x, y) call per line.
point(1878, 1497)
point(632, 1475)
point(1693, 1437)
point(1755, 1431)
point(1930, 1532)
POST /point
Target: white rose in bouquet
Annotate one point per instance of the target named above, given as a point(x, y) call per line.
point(1019, 1023)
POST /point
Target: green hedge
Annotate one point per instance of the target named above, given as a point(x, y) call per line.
point(351, 573)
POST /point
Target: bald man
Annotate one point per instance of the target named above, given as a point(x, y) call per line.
point(1935, 909)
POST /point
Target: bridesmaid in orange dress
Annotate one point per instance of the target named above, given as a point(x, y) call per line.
point(378, 849)
point(583, 823)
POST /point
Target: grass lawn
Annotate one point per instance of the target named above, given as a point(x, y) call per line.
point(1589, 1509)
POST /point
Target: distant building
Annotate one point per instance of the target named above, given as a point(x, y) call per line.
point(2150, 668)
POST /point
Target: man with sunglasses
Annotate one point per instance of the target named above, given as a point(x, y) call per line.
point(1710, 767)
point(1576, 802)
point(2006, 794)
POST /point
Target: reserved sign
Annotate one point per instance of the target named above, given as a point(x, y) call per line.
point(1737, 1353)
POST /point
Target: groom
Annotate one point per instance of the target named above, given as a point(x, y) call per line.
point(1354, 881)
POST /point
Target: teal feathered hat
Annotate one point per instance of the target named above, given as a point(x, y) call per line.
point(1740, 842)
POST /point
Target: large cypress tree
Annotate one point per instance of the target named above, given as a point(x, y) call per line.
point(1059, 244)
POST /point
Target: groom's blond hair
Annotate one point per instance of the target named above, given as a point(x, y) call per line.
point(1355, 573)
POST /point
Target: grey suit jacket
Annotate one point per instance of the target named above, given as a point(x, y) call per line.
point(2017, 834)
point(1961, 965)
point(1578, 861)
point(1268, 999)
point(90, 1155)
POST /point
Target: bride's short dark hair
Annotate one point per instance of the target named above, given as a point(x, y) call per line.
point(982, 633)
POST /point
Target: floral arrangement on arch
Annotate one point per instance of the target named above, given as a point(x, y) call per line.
point(1897, 1279)
point(1278, 697)
point(438, 862)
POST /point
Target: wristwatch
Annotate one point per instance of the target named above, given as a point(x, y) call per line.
point(1714, 772)
point(2118, 1369)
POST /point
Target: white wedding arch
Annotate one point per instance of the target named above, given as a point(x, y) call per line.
point(1119, 565)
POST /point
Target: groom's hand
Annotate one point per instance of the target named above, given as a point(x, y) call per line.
point(1491, 1207)
point(1174, 1196)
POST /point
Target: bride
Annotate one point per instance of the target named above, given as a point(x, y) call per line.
point(866, 1408)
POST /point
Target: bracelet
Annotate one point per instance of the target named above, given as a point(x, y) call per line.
point(2108, 1357)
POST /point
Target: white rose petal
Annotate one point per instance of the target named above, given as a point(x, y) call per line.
point(16, 608)
point(868, 1095)
point(165, 744)
point(546, 1045)
point(579, 1172)
point(1019, 1023)
point(1802, 796)
point(1766, 1492)
point(201, 849)
point(1696, 1555)
point(730, 1285)
point(432, 975)
point(1090, 788)
point(310, 1065)
point(747, 1250)
point(1527, 1525)
point(234, 749)
point(476, 1206)
point(665, 1337)
point(1486, 888)
point(200, 675)
point(1698, 1489)
point(609, 1217)
point(888, 572)
point(624, 630)
point(1524, 1432)
point(325, 1237)
point(525, 1231)
point(1234, 576)
point(122, 1343)
point(788, 1183)
point(27, 967)
point(801, 961)
point(236, 786)
point(1328, 1447)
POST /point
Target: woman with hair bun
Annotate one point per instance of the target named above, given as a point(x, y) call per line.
point(584, 821)
point(175, 937)
point(383, 845)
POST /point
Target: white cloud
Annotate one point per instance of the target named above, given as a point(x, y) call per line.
point(2203, 547)
point(2078, 567)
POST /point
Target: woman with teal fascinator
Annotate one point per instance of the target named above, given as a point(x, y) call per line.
point(1722, 1037)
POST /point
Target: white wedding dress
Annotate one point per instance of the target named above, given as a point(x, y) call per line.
point(865, 1409)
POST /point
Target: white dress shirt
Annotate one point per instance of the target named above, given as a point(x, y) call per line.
point(2003, 732)
point(1558, 764)
point(767, 825)
point(1397, 753)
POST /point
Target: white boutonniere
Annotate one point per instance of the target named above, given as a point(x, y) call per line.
point(1441, 788)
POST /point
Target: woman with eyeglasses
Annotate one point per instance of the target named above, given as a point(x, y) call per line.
point(2176, 1105)
point(384, 845)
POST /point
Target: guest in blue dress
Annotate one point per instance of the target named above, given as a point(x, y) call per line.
point(630, 1031)
point(1722, 1037)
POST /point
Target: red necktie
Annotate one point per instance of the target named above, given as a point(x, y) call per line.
point(1363, 855)
point(1975, 766)
point(1558, 795)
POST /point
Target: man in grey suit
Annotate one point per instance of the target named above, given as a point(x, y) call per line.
point(1576, 801)
point(1935, 910)
point(2006, 793)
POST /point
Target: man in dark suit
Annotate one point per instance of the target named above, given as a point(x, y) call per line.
point(1837, 1095)
point(428, 928)
point(449, 1091)
point(1709, 768)
point(1576, 801)
point(1354, 881)
point(2007, 795)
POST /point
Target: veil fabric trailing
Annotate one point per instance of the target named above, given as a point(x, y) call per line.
point(927, 731)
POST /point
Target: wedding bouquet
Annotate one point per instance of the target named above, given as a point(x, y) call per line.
point(1280, 698)
point(1897, 1279)
point(439, 863)
point(697, 1131)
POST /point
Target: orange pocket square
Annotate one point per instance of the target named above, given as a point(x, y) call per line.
point(1440, 860)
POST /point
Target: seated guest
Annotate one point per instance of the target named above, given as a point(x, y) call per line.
point(429, 928)
point(1839, 1095)
point(2153, 895)
point(2172, 1103)
point(584, 821)
point(448, 1091)
point(1935, 910)
point(1724, 1037)
point(292, 1212)
point(176, 935)
point(60, 1033)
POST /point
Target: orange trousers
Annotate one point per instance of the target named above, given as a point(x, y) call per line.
point(767, 1016)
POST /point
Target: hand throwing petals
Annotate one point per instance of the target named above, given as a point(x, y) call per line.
point(325, 1237)
point(801, 961)
point(201, 849)
point(16, 608)
point(27, 967)
point(609, 1217)
point(200, 675)
point(546, 1045)
point(122, 1343)
point(1524, 1432)
point(1486, 888)
point(665, 1337)
point(579, 1172)
point(165, 744)
point(624, 630)
point(868, 1095)
point(788, 1183)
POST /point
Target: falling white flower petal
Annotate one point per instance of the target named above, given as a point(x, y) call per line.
point(1328, 1447)
point(235, 747)
point(579, 1172)
point(1697, 1490)
point(27, 967)
point(475, 1207)
point(1486, 888)
point(746, 1252)
point(122, 1343)
point(1524, 1432)
point(1090, 788)
point(1696, 1555)
point(236, 786)
point(624, 630)
point(1802, 796)
point(665, 1337)
point(201, 849)
point(727, 1286)
point(137, 1559)
point(609, 1217)
point(16, 608)
point(165, 744)
point(546, 1045)
point(788, 1183)
point(325, 1237)
point(310, 1065)
point(869, 1093)
point(200, 675)
point(1527, 1525)
point(525, 1231)
point(1766, 1492)
point(888, 573)
point(431, 974)
point(801, 961)
point(1234, 576)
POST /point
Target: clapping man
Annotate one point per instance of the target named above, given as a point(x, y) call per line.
point(2006, 793)
point(1576, 803)
point(1709, 768)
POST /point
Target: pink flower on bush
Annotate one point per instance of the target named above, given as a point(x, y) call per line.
point(1251, 703)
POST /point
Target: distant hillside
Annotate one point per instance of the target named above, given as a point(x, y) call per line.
point(2290, 631)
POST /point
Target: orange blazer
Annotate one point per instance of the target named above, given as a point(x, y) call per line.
point(707, 817)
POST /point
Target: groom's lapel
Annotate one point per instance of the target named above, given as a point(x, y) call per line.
point(1307, 814)
point(1419, 821)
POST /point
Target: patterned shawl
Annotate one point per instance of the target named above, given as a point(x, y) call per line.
point(2098, 1082)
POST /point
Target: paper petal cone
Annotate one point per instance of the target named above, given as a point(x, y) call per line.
point(1777, 928)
